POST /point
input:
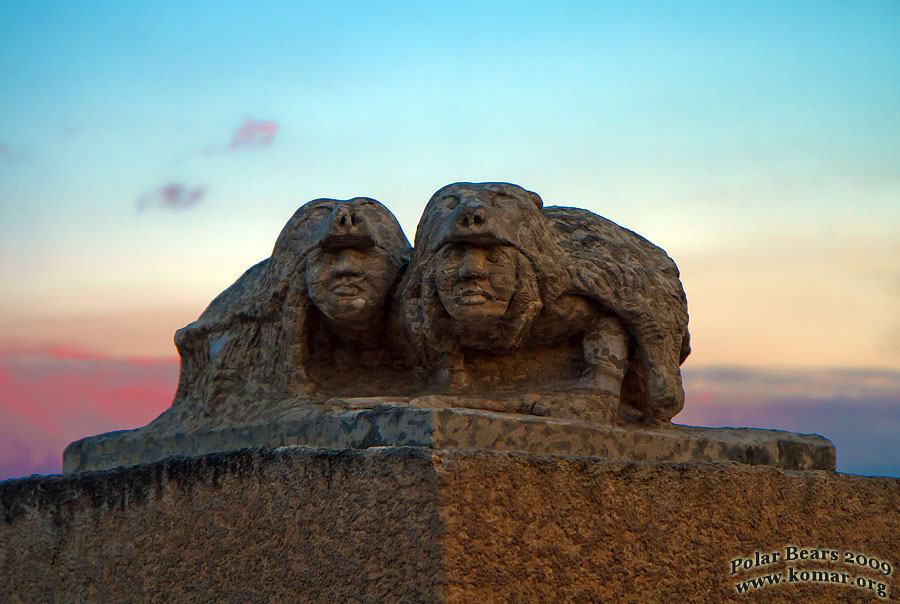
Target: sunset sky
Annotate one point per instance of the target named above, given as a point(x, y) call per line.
point(150, 153)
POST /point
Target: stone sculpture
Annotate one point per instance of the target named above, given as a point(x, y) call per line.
point(510, 325)
point(502, 298)
point(503, 294)
point(296, 324)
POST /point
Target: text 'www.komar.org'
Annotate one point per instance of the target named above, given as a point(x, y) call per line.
point(822, 576)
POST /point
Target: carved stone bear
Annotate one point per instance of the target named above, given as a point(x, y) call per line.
point(310, 321)
point(504, 295)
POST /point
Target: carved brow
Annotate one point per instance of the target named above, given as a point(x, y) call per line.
point(322, 206)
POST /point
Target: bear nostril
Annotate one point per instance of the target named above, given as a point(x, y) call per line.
point(343, 220)
point(470, 216)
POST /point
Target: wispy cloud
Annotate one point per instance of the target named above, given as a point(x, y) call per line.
point(254, 133)
point(174, 196)
point(250, 134)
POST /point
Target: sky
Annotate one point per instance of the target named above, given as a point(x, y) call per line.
point(150, 153)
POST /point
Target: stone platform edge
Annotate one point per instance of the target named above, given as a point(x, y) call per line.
point(336, 427)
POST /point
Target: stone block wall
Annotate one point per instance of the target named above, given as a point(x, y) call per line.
point(406, 524)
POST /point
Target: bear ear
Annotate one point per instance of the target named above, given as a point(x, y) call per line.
point(536, 200)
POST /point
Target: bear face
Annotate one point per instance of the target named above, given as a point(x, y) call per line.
point(358, 223)
point(478, 213)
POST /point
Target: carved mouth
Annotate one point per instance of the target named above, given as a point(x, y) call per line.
point(346, 288)
point(473, 297)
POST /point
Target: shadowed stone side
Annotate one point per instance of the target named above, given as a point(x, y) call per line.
point(372, 422)
point(412, 525)
point(270, 525)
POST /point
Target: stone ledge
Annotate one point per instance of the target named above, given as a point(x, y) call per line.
point(363, 423)
point(295, 524)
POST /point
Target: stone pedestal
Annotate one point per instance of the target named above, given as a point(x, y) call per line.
point(387, 524)
point(367, 422)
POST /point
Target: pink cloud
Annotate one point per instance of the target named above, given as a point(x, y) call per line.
point(176, 196)
point(250, 134)
point(52, 396)
point(254, 133)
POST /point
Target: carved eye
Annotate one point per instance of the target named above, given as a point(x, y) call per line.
point(451, 201)
point(317, 214)
point(498, 199)
point(493, 254)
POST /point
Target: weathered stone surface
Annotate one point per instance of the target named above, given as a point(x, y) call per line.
point(310, 322)
point(503, 294)
point(250, 526)
point(504, 306)
point(413, 525)
point(426, 422)
point(501, 298)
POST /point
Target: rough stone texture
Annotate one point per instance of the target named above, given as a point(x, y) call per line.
point(504, 294)
point(249, 526)
point(426, 422)
point(501, 298)
point(413, 525)
point(504, 306)
point(519, 528)
point(310, 322)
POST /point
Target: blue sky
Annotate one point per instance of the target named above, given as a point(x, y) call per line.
point(764, 135)
point(757, 142)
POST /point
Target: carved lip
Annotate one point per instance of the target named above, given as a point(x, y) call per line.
point(346, 288)
point(473, 297)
